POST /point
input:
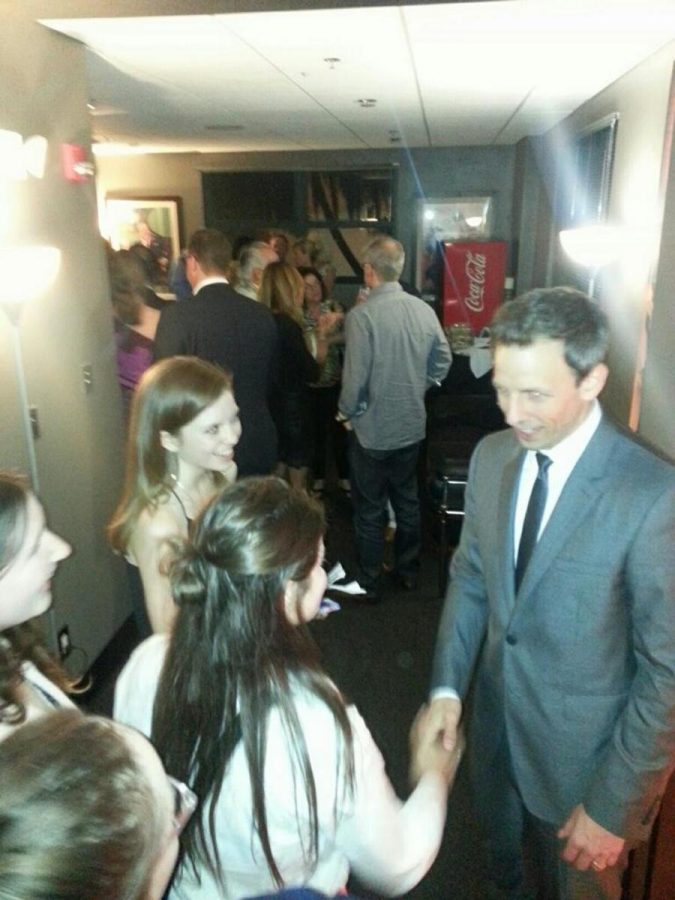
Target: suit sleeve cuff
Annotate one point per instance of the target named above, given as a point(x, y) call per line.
point(446, 693)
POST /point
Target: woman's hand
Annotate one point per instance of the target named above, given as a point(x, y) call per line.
point(328, 322)
point(428, 749)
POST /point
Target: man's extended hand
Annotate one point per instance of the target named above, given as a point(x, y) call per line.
point(587, 843)
point(440, 720)
point(428, 753)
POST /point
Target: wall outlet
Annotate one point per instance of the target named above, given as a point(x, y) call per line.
point(64, 642)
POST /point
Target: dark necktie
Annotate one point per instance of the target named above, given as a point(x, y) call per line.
point(533, 515)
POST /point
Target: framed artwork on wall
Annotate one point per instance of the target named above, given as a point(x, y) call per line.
point(447, 219)
point(151, 222)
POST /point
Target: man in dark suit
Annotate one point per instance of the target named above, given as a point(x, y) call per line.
point(561, 606)
point(232, 331)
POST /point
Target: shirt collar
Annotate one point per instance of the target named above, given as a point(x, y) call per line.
point(569, 450)
point(211, 279)
point(387, 287)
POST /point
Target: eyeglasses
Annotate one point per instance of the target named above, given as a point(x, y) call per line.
point(185, 803)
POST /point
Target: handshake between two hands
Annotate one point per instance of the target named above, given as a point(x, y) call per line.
point(436, 741)
point(436, 744)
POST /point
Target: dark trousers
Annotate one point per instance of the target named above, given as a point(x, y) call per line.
point(523, 851)
point(377, 476)
point(327, 432)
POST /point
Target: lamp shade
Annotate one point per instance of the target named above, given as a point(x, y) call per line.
point(28, 271)
point(593, 246)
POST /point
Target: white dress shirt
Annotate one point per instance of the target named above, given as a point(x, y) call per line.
point(564, 457)
point(205, 282)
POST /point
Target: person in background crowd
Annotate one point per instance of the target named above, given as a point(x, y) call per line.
point(325, 392)
point(279, 242)
point(561, 607)
point(233, 332)
point(303, 252)
point(282, 290)
point(293, 787)
point(309, 252)
point(147, 260)
point(135, 323)
point(160, 249)
point(395, 350)
point(253, 260)
point(178, 283)
point(86, 812)
point(31, 681)
point(180, 449)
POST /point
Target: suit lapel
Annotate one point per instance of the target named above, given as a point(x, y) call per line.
point(576, 502)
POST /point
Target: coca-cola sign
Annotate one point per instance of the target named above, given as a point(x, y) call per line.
point(475, 272)
point(473, 282)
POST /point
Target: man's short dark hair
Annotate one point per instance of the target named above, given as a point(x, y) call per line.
point(556, 314)
point(211, 249)
point(387, 257)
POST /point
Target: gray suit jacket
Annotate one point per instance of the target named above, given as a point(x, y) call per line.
point(578, 669)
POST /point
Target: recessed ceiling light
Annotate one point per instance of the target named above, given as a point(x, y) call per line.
point(366, 102)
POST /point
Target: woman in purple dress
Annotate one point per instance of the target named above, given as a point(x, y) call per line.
point(135, 322)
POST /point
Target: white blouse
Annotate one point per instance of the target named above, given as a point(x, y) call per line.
point(389, 844)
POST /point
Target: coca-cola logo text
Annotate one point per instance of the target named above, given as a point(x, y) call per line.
point(474, 267)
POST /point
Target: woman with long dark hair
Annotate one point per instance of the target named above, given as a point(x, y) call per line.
point(180, 450)
point(293, 787)
point(31, 681)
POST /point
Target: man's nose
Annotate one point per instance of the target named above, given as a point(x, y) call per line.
point(512, 408)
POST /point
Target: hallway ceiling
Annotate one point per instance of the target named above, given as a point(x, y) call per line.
point(474, 73)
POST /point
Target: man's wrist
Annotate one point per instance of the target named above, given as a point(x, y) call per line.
point(443, 693)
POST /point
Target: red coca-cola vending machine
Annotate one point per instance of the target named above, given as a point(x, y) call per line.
point(472, 284)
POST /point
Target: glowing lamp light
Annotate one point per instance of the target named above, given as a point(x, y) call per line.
point(27, 272)
point(19, 158)
point(593, 246)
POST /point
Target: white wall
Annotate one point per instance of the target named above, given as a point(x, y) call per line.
point(636, 202)
point(79, 453)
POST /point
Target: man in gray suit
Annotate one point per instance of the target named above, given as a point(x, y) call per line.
point(561, 605)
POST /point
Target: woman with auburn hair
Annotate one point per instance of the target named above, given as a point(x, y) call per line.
point(293, 788)
point(31, 681)
point(180, 449)
point(282, 290)
point(86, 812)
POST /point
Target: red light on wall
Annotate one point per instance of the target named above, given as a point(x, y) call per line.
point(74, 165)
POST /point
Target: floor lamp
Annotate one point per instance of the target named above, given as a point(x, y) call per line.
point(28, 273)
point(593, 247)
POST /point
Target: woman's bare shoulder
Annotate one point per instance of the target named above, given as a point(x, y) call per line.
point(158, 523)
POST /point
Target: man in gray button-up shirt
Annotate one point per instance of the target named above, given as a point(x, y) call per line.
point(395, 349)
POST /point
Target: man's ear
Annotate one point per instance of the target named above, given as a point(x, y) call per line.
point(168, 441)
point(594, 382)
point(290, 602)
